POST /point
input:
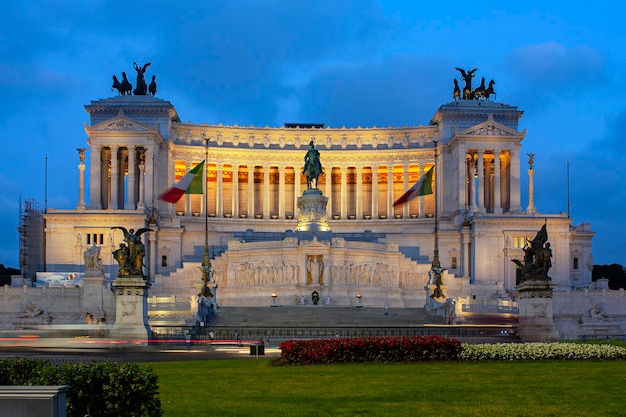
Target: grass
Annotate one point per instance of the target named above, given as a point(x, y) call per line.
point(256, 388)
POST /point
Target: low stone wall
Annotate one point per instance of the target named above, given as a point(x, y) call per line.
point(590, 313)
point(26, 306)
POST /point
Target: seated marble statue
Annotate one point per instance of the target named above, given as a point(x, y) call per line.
point(93, 262)
point(595, 313)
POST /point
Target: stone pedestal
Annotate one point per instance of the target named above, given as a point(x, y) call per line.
point(312, 211)
point(536, 323)
point(94, 290)
point(131, 309)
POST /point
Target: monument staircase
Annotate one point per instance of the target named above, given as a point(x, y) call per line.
point(322, 321)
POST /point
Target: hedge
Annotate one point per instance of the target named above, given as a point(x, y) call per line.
point(100, 389)
point(369, 349)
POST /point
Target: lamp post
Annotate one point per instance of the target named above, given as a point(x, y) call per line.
point(436, 265)
point(208, 274)
point(359, 301)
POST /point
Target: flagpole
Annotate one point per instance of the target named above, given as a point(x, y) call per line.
point(206, 261)
point(436, 265)
point(436, 262)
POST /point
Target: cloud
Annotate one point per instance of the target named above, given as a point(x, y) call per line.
point(551, 69)
point(395, 91)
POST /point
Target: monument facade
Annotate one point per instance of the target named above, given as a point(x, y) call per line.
point(281, 227)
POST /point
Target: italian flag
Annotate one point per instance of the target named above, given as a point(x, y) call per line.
point(190, 183)
point(423, 186)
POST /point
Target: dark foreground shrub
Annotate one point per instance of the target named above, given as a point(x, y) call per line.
point(370, 349)
point(100, 389)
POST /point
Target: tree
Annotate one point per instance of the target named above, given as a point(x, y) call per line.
point(5, 274)
point(614, 273)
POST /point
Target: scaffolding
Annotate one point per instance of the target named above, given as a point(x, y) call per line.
point(31, 230)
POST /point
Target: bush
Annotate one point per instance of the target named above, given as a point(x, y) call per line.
point(102, 389)
point(540, 351)
point(370, 349)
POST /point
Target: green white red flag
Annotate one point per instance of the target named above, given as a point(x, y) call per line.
point(423, 186)
point(190, 183)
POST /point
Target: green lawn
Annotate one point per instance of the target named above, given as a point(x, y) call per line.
point(256, 388)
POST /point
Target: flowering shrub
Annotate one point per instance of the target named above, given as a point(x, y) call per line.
point(540, 351)
point(370, 349)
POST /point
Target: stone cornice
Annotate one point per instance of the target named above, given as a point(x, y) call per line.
point(471, 109)
point(297, 138)
point(292, 157)
point(135, 105)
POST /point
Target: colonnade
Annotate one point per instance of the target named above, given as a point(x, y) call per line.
point(119, 176)
point(270, 191)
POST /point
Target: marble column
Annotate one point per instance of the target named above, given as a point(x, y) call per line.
point(405, 207)
point(148, 173)
point(390, 191)
point(130, 192)
point(329, 189)
point(374, 191)
point(219, 197)
point(481, 181)
point(81, 187)
point(296, 187)
point(497, 201)
point(472, 182)
point(235, 192)
point(251, 191)
point(531, 191)
point(462, 178)
point(95, 178)
point(465, 240)
point(188, 196)
point(344, 191)
point(422, 208)
point(516, 205)
point(359, 192)
point(266, 191)
point(142, 186)
point(281, 191)
point(114, 178)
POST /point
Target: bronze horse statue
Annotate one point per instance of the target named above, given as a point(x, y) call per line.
point(312, 166)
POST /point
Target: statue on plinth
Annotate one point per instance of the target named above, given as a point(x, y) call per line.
point(312, 166)
point(130, 256)
point(81, 154)
point(468, 94)
point(93, 262)
point(141, 88)
point(537, 258)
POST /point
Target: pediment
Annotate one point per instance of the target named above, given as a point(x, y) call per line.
point(490, 128)
point(314, 244)
point(121, 123)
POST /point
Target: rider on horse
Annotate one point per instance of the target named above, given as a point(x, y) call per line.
point(312, 165)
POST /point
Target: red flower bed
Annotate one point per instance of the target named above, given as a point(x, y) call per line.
point(370, 349)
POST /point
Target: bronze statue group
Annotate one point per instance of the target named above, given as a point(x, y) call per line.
point(479, 93)
point(125, 88)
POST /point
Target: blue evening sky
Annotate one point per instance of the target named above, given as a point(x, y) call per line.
point(343, 63)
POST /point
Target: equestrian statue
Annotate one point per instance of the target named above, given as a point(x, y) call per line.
point(312, 166)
